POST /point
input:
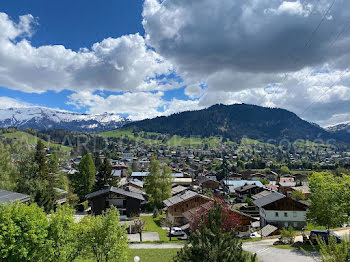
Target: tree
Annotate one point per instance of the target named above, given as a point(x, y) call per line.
point(328, 207)
point(8, 172)
point(30, 181)
point(298, 195)
point(104, 175)
point(40, 159)
point(106, 238)
point(285, 170)
point(83, 181)
point(53, 163)
point(23, 233)
point(158, 184)
point(139, 224)
point(66, 236)
point(211, 243)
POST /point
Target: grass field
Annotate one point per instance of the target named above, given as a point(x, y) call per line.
point(194, 141)
point(29, 139)
point(153, 225)
point(127, 133)
point(146, 255)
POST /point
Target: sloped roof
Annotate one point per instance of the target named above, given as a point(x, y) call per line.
point(238, 183)
point(178, 189)
point(261, 194)
point(9, 196)
point(245, 187)
point(134, 181)
point(268, 230)
point(116, 190)
point(186, 195)
point(263, 201)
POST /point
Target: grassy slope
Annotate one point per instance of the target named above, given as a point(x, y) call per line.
point(153, 225)
point(32, 140)
point(146, 255)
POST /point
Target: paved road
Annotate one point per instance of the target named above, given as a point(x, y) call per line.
point(155, 246)
point(266, 253)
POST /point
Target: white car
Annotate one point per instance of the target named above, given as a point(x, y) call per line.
point(255, 235)
point(176, 231)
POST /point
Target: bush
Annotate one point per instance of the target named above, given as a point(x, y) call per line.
point(288, 235)
point(155, 213)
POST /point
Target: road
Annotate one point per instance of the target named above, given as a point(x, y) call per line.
point(264, 249)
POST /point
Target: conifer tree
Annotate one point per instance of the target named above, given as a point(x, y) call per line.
point(104, 175)
point(211, 243)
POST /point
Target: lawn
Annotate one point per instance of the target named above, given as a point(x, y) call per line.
point(128, 133)
point(146, 255)
point(154, 225)
point(29, 139)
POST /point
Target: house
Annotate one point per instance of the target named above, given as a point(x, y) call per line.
point(139, 175)
point(247, 190)
point(7, 197)
point(183, 181)
point(209, 183)
point(303, 189)
point(132, 182)
point(281, 211)
point(243, 227)
point(178, 189)
point(177, 205)
point(235, 176)
point(230, 185)
point(257, 176)
point(127, 202)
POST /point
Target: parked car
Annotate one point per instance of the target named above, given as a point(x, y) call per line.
point(255, 235)
point(176, 231)
point(324, 235)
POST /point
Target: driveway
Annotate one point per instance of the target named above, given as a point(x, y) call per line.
point(146, 236)
point(266, 253)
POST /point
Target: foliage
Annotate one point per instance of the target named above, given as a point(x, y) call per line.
point(211, 243)
point(288, 235)
point(329, 196)
point(104, 175)
point(158, 184)
point(23, 233)
point(284, 170)
point(65, 236)
point(333, 252)
point(106, 238)
point(298, 195)
point(84, 180)
point(8, 172)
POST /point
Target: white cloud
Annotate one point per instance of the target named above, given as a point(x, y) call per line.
point(292, 8)
point(7, 102)
point(118, 64)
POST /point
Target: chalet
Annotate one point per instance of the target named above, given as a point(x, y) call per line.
point(7, 197)
point(139, 175)
point(127, 202)
point(183, 181)
point(177, 205)
point(247, 190)
point(281, 211)
point(257, 176)
point(235, 176)
point(177, 190)
point(303, 189)
point(210, 183)
point(230, 185)
point(244, 221)
point(132, 182)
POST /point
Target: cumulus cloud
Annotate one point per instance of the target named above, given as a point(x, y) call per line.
point(289, 54)
point(8, 102)
point(118, 64)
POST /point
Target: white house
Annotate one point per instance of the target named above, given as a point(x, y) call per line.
point(281, 211)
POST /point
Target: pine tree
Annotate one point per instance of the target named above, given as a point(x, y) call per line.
point(211, 243)
point(41, 160)
point(83, 181)
point(104, 175)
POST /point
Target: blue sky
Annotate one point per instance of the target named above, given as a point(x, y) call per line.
point(144, 58)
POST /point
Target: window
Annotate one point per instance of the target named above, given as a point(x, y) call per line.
point(175, 209)
point(276, 214)
point(285, 214)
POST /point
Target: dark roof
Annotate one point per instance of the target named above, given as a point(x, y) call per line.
point(9, 196)
point(261, 194)
point(263, 201)
point(178, 189)
point(245, 187)
point(116, 190)
point(208, 179)
point(133, 181)
point(182, 197)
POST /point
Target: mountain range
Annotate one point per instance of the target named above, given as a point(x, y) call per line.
point(229, 121)
point(42, 118)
